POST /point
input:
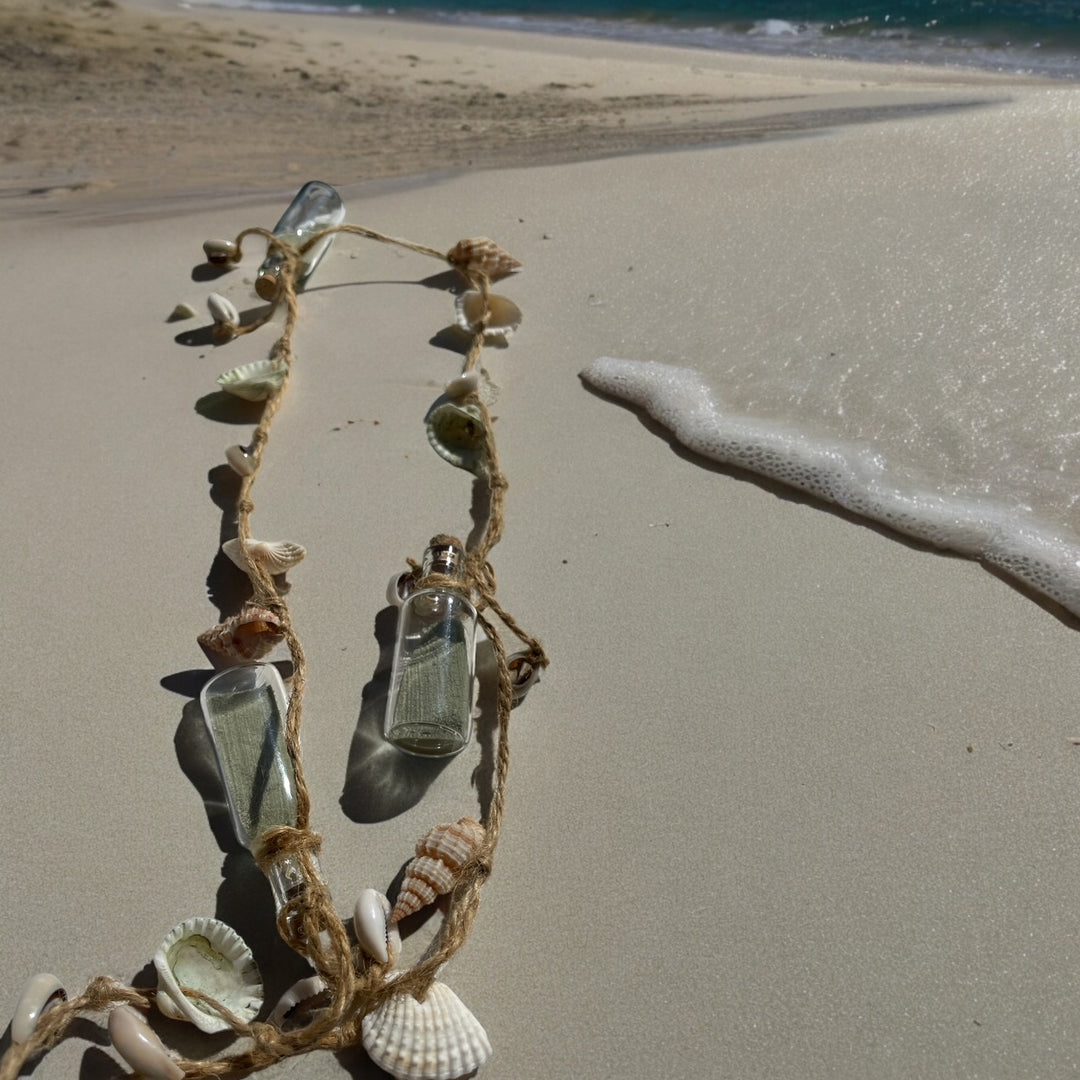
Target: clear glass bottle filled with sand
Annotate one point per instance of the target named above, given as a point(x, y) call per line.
point(429, 708)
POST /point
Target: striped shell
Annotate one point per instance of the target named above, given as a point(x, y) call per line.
point(244, 637)
point(440, 855)
point(275, 556)
point(434, 1039)
point(483, 255)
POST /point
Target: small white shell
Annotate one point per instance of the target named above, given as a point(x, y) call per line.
point(434, 1039)
point(221, 252)
point(373, 933)
point(524, 676)
point(468, 382)
point(136, 1043)
point(241, 460)
point(505, 315)
point(297, 994)
point(40, 994)
point(276, 556)
point(210, 956)
point(399, 587)
point(222, 310)
point(256, 381)
point(181, 312)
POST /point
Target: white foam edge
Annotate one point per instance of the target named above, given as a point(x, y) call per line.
point(1044, 557)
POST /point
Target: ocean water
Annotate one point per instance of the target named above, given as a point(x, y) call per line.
point(1030, 36)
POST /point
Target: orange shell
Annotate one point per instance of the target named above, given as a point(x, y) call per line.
point(484, 255)
point(244, 637)
point(439, 856)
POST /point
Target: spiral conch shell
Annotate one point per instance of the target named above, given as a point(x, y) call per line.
point(483, 255)
point(434, 1039)
point(440, 855)
point(244, 637)
point(275, 556)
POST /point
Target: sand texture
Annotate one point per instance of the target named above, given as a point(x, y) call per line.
point(796, 798)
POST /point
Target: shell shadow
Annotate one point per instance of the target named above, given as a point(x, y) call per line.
point(226, 408)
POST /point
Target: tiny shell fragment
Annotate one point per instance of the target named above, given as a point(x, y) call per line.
point(181, 312)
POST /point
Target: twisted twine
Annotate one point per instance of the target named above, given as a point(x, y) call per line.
point(309, 922)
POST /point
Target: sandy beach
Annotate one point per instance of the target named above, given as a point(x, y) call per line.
point(795, 798)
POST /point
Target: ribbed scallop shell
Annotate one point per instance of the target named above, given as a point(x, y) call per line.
point(246, 636)
point(276, 556)
point(434, 1039)
point(480, 253)
point(256, 381)
point(504, 319)
point(210, 956)
point(440, 855)
point(457, 433)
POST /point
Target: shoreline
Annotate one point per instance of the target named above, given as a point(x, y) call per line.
point(113, 103)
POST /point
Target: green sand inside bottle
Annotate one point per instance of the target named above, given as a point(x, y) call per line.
point(258, 773)
point(433, 712)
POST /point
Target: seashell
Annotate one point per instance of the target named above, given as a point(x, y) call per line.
point(300, 993)
point(244, 637)
point(458, 435)
point(39, 995)
point(399, 587)
point(275, 556)
point(222, 310)
point(221, 252)
point(468, 382)
point(373, 932)
point(139, 1046)
point(256, 381)
point(440, 855)
point(181, 312)
point(483, 255)
point(434, 1039)
point(504, 315)
point(210, 956)
point(524, 675)
point(241, 460)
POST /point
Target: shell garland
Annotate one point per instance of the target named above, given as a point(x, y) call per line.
point(440, 857)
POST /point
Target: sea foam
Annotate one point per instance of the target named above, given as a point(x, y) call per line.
point(851, 475)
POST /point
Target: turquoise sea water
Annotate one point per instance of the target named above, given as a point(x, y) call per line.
point(1037, 36)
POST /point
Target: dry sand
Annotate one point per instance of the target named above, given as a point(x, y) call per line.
point(796, 799)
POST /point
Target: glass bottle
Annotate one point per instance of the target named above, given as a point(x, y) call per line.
point(317, 206)
point(245, 710)
point(429, 708)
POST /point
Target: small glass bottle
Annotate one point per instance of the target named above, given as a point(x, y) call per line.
point(317, 206)
point(429, 709)
point(245, 710)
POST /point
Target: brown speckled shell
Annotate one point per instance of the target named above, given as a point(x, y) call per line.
point(484, 255)
point(244, 637)
point(439, 856)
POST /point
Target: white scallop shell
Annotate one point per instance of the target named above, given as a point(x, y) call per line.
point(505, 315)
point(434, 1039)
point(297, 994)
point(256, 381)
point(276, 556)
point(40, 994)
point(373, 932)
point(135, 1041)
point(210, 956)
point(222, 310)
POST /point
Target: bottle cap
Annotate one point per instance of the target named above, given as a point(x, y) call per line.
point(267, 285)
point(444, 555)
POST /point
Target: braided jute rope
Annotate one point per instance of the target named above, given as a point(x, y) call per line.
point(309, 922)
